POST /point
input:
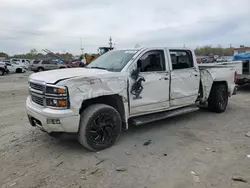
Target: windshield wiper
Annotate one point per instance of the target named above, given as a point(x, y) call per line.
point(98, 68)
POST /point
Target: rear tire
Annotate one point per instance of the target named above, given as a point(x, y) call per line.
point(40, 69)
point(100, 127)
point(218, 99)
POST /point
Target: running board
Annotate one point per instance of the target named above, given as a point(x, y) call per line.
point(163, 115)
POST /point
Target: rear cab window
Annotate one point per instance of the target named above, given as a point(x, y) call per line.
point(181, 59)
point(45, 62)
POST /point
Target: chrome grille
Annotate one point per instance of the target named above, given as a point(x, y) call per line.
point(37, 99)
point(38, 87)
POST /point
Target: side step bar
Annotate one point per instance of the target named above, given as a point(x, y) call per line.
point(163, 115)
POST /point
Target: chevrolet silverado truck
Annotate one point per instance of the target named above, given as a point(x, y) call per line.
point(122, 87)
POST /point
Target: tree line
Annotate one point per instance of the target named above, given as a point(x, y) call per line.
point(209, 50)
point(200, 51)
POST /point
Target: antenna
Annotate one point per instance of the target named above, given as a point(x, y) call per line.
point(110, 42)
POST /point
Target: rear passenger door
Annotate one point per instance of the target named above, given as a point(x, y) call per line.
point(46, 65)
point(185, 78)
point(53, 64)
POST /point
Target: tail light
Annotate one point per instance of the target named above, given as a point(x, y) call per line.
point(235, 77)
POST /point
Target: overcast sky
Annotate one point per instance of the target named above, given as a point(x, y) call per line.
point(58, 25)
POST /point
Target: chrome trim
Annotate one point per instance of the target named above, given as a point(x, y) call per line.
point(37, 95)
point(55, 86)
point(48, 97)
point(55, 95)
point(35, 91)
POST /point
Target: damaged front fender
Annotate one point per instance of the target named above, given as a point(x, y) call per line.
point(87, 88)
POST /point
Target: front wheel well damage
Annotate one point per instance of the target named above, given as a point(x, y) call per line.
point(116, 101)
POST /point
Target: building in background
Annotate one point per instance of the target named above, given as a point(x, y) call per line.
point(241, 49)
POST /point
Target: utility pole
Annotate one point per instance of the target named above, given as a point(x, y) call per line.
point(110, 42)
point(82, 49)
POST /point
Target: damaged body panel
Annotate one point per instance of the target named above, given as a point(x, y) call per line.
point(184, 87)
point(141, 85)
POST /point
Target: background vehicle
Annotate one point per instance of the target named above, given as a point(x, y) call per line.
point(43, 65)
point(22, 62)
point(15, 68)
point(121, 86)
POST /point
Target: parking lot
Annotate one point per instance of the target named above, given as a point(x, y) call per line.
point(201, 149)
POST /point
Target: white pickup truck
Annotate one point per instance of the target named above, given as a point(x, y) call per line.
point(131, 85)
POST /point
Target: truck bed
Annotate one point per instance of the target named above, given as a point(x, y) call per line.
point(237, 65)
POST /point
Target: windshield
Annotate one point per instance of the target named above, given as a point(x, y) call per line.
point(113, 60)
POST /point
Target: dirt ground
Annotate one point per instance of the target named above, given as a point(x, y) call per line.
point(200, 149)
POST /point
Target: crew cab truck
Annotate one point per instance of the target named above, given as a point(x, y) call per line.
point(125, 86)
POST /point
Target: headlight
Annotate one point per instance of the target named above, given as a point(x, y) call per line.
point(62, 91)
point(57, 96)
point(58, 103)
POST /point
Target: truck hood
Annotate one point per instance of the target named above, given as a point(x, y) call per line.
point(55, 76)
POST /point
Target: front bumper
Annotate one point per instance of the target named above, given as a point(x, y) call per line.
point(39, 116)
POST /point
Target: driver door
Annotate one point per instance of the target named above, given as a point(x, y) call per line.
point(154, 93)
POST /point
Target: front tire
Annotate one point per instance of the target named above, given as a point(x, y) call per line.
point(100, 127)
point(218, 99)
point(2, 72)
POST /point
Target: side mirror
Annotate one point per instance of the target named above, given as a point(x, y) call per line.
point(135, 73)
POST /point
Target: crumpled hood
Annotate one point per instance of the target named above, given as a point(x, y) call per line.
point(62, 74)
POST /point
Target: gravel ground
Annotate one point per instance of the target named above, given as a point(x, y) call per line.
point(200, 149)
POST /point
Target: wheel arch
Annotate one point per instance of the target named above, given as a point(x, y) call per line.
point(221, 82)
point(40, 67)
point(19, 70)
point(116, 101)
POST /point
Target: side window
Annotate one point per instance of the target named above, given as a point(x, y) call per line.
point(53, 62)
point(45, 62)
point(181, 59)
point(152, 61)
point(23, 61)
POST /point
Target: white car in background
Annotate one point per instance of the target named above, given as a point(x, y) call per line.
point(22, 62)
point(14, 67)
